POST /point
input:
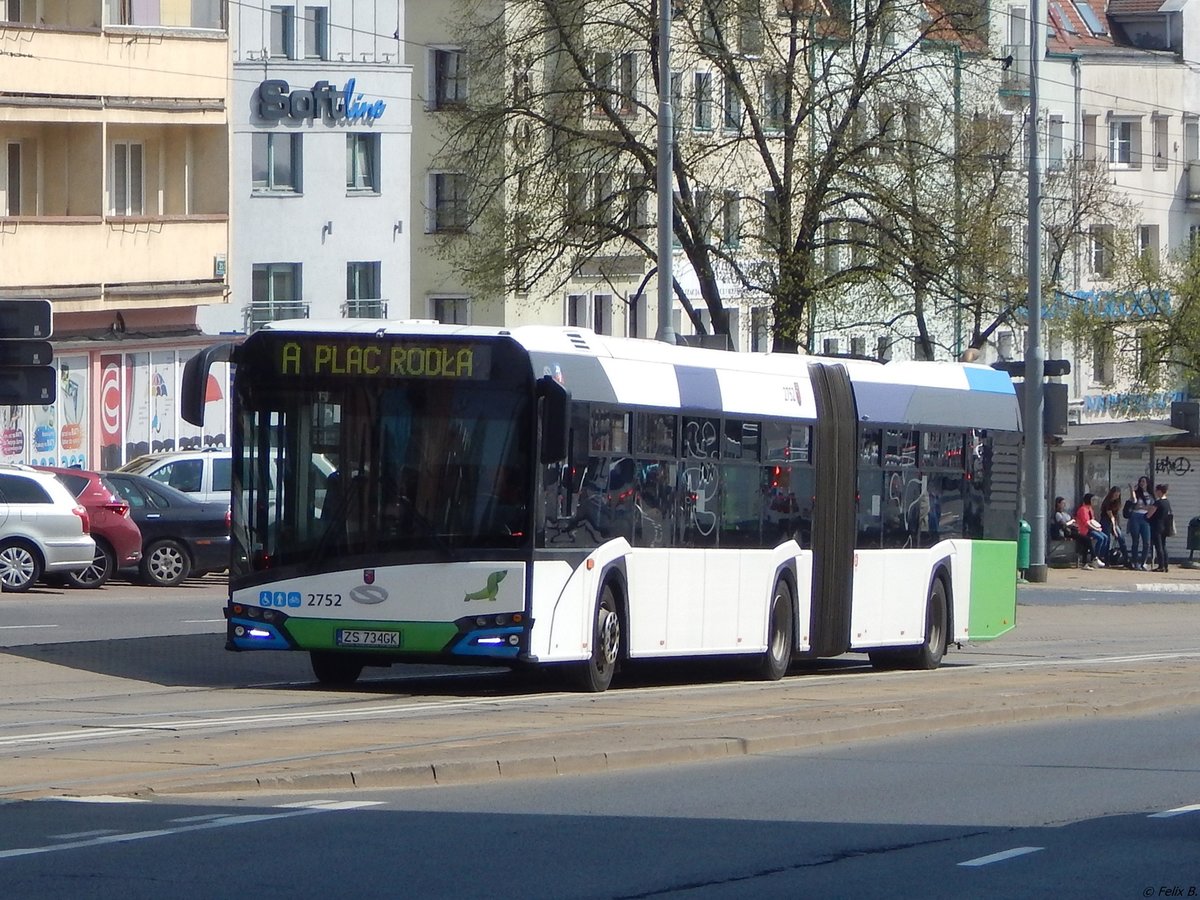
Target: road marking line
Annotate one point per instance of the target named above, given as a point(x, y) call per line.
point(1001, 856)
point(129, 837)
point(14, 627)
point(210, 817)
point(1178, 811)
point(97, 798)
point(201, 621)
point(82, 834)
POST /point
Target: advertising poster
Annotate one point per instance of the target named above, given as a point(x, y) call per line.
point(111, 405)
point(43, 436)
point(12, 434)
point(137, 405)
point(162, 401)
point(73, 411)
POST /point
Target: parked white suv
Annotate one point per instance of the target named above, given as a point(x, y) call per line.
point(201, 474)
point(43, 529)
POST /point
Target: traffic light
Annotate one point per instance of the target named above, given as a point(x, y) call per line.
point(27, 377)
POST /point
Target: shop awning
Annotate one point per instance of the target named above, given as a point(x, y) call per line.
point(1137, 432)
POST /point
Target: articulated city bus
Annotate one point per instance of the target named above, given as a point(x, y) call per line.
point(540, 496)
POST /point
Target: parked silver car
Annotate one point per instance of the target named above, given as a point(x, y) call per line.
point(201, 474)
point(43, 529)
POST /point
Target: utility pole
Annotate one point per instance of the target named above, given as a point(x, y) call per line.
point(665, 151)
point(1035, 398)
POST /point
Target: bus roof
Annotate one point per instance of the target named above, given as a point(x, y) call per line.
point(653, 374)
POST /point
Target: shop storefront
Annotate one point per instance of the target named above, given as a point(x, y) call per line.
point(115, 403)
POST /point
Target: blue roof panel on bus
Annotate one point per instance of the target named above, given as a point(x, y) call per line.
point(698, 388)
point(987, 379)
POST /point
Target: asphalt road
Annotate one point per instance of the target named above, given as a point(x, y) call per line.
point(1084, 808)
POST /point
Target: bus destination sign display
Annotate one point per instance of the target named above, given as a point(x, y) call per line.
point(381, 359)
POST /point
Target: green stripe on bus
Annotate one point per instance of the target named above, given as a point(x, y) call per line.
point(415, 637)
point(993, 589)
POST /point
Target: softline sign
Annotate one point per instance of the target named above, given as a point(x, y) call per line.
point(277, 101)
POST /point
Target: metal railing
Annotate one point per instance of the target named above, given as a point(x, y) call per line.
point(257, 315)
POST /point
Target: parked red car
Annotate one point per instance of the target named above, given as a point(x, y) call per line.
point(118, 538)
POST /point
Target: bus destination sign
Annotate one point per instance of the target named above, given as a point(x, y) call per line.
point(379, 359)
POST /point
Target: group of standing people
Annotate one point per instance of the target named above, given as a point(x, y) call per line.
point(1101, 537)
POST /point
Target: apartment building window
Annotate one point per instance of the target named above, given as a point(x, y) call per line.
point(10, 11)
point(451, 310)
point(449, 69)
point(731, 219)
point(832, 232)
point(1004, 345)
point(1054, 143)
point(275, 162)
point(448, 202)
point(883, 348)
point(362, 162)
point(275, 293)
point(578, 308)
point(1161, 149)
point(750, 30)
point(637, 202)
point(197, 14)
point(1148, 243)
point(363, 295)
point(858, 347)
point(316, 32)
point(1191, 139)
point(1124, 143)
point(731, 106)
point(920, 351)
point(12, 181)
point(830, 347)
point(760, 329)
point(639, 316)
point(126, 189)
point(283, 32)
point(774, 97)
point(1018, 26)
point(1104, 356)
point(1090, 134)
point(1100, 240)
point(702, 108)
point(602, 314)
point(772, 233)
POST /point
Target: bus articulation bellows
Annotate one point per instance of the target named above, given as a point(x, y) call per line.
point(408, 491)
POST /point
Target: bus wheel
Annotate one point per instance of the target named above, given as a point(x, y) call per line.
point(774, 663)
point(596, 674)
point(335, 668)
point(929, 654)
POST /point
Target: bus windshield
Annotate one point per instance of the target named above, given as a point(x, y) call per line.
point(371, 467)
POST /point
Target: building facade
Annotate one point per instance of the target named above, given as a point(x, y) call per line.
point(114, 206)
point(320, 164)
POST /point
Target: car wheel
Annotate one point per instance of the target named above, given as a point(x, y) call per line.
point(20, 566)
point(104, 563)
point(165, 563)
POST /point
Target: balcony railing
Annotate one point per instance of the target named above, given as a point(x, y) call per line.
point(256, 315)
point(365, 309)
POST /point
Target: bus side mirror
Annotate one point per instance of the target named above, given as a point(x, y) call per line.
point(556, 402)
point(193, 386)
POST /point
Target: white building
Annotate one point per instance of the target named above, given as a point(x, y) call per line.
point(320, 168)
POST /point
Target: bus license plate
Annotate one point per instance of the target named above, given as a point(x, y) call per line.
point(347, 637)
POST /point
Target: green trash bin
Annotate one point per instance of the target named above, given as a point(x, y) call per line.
point(1023, 539)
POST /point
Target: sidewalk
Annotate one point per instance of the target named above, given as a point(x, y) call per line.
point(1180, 577)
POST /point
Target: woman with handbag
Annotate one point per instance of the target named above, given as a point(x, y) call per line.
point(1162, 526)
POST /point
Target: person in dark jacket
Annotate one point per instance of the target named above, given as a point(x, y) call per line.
point(1160, 520)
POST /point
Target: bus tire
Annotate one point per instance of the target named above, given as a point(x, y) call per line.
point(595, 674)
point(929, 655)
point(335, 669)
point(774, 663)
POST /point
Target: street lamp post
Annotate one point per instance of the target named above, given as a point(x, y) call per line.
point(666, 143)
point(1035, 447)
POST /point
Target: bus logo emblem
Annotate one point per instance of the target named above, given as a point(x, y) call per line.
point(368, 576)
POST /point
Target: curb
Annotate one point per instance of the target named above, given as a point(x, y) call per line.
point(485, 770)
